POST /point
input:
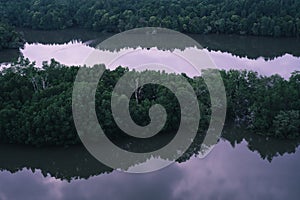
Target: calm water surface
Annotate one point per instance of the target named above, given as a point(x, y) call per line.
point(267, 56)
point(231, 171)
point(241, 166)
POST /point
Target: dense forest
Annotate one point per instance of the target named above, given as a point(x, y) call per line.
point(9, 38)
point(251, 17)
point(36, 104)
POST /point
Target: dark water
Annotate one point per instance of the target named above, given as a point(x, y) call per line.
point(251, 168)
point(241, 166)
point(250, 46)
point(267, 56)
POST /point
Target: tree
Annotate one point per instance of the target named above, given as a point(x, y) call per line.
point(287, 124)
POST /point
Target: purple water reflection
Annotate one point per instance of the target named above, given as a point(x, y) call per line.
point(76, 53)
point(283, 65)
point(227, 173)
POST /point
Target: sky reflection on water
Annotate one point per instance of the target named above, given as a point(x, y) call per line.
point(76, 53)
point(227, 173)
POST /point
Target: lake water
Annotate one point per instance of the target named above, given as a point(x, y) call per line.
point(241, 166)
point(267, 56)
point(249, 168)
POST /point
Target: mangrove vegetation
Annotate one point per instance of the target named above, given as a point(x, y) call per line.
point(36, 104)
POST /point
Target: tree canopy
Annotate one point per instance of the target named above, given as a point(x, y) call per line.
point(9, 38)
point(36, 104)
point(251, 17)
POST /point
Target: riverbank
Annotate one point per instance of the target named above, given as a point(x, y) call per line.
point(274, 18)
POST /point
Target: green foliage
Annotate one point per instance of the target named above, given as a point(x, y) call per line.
point(287, 124)
point(252, 17)
point(9, 38)
point(267, 105)
point(36, 104)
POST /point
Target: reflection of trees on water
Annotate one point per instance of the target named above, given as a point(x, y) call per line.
point(250, 46)
point(267, 147)
point(242, 46)
point(61, 163)
point(76, 163)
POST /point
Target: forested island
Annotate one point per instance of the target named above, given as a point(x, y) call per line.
point(36, 104)
point(249, 17)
